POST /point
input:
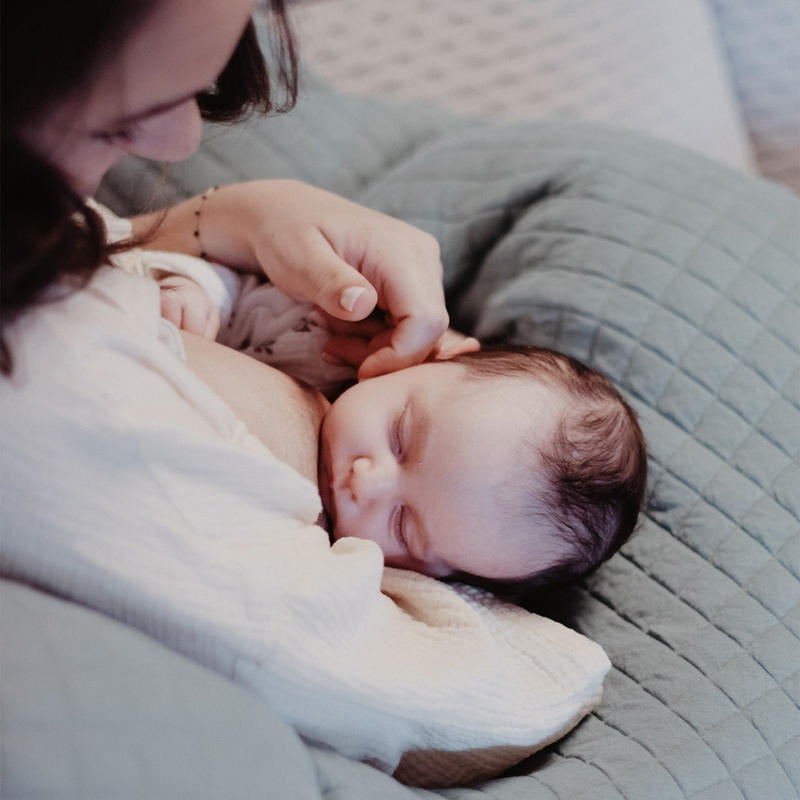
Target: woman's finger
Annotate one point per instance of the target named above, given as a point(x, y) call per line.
point(330, 282)
point(350, 350)
point(409, 342)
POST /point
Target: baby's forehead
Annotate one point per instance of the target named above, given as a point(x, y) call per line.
point(522, 385)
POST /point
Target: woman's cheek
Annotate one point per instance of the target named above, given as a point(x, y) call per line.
point(171, 136)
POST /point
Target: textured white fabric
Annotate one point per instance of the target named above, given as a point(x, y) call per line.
point(653, 66)
point(128, 485)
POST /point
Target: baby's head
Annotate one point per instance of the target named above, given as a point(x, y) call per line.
point(516, 467)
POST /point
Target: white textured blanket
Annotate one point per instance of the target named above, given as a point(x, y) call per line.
point(132, 488)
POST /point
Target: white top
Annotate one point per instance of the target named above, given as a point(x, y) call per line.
point(128, 485)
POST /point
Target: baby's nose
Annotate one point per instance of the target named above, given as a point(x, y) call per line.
point(370, 481)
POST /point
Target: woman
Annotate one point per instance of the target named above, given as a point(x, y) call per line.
point(80, 112)
point(170, 482)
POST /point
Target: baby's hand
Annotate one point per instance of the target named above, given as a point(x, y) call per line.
point(186, 305)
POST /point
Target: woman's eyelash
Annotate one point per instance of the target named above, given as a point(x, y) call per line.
point(118, 136)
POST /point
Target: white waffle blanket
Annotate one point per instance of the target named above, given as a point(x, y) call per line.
point(129, 486)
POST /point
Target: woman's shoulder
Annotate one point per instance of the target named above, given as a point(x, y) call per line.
point(63, 340)
point(111, 300)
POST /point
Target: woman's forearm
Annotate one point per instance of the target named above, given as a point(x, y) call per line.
point(319, 247)
point(219, 224)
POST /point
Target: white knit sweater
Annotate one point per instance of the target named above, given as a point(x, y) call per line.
point(128, 485)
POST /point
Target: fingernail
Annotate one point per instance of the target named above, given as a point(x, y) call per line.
point(349, 297)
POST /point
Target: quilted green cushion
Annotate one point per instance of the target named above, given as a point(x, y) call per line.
point(680, 279)
point(92, 710)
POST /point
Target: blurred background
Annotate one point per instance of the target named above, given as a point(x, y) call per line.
point(719, 76)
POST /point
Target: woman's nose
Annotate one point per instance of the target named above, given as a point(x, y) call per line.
point(372, 480)
point(171, 136)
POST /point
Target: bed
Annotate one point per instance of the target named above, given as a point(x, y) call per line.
point(676, 276)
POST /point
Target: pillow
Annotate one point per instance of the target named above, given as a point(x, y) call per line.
point(92, 708)
point(651, 67)
point(761, 43)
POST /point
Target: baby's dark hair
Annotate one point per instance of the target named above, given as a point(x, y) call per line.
point(594, 491)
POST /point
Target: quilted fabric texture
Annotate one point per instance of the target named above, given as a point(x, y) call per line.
point(681, 283)
point(681, 280)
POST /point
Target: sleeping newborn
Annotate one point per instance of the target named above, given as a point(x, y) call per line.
point(511, 468)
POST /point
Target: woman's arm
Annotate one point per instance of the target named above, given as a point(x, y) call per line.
point(173, 230)
point(320, 247)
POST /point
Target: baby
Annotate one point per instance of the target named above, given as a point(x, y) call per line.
point(512, 468)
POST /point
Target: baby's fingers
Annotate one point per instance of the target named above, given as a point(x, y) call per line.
point(409, 343)
point(365, 329)
point(452, 344)
point(195, 318)
point(171, 309)
point(212, 325)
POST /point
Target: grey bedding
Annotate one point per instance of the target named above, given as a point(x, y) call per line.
point(676, 277)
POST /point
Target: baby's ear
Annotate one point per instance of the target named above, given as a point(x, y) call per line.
point(452, 344)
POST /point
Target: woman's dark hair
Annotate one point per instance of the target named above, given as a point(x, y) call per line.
point(50, 48)
point(595, 466)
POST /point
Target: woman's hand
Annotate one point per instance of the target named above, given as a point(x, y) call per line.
point(352, 343)
point(320, 247)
